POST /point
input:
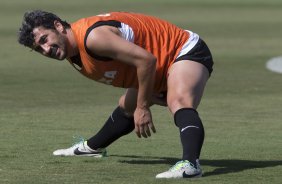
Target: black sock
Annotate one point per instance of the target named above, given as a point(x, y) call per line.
point(116, 126)
point(191, 133)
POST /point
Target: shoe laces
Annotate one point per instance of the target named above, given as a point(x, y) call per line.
point(180, 165)
point(77, 139)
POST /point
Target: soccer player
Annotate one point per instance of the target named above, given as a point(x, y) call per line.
point(156, 61)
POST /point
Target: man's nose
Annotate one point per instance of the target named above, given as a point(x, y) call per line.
point(46, 49)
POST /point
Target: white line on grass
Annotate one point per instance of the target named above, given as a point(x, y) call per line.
point(275, 64)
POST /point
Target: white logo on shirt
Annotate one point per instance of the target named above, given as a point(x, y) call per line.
point(108, 77)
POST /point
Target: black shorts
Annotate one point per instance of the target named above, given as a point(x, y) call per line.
point(199, 53)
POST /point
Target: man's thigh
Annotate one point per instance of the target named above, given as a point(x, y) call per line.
point(186, 83)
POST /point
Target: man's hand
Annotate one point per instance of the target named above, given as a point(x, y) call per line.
point(143, 122)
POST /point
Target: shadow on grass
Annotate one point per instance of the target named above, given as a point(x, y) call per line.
point(233, 166)
point(222, 166)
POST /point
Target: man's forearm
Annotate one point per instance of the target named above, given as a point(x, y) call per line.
point(146, 76)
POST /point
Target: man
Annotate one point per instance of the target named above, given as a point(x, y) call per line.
point(157, 63)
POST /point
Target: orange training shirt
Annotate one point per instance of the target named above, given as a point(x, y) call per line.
point(164, 40)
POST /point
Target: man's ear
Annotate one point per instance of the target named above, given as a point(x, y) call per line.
point(59, 27)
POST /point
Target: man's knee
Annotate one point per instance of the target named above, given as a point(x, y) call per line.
point(179, 102)
point(127, 108)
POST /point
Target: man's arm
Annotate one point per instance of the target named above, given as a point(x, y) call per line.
point(106, 41)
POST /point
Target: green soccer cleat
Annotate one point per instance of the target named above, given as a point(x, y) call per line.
point(182, 169)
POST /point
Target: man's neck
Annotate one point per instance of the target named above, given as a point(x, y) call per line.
point(72, 45)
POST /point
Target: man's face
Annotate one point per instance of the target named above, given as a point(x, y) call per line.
point(50, 43)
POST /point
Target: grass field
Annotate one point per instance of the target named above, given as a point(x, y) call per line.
point(44, 103)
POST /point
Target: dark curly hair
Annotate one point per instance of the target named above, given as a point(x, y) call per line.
point(35, 19)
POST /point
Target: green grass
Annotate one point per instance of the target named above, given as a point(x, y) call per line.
point(44, 103)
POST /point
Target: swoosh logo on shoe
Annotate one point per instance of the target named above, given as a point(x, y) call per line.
point(77, 152)
point(188, 127)
point(190, 176)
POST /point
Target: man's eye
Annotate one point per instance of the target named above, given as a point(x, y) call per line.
point(43, 39)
